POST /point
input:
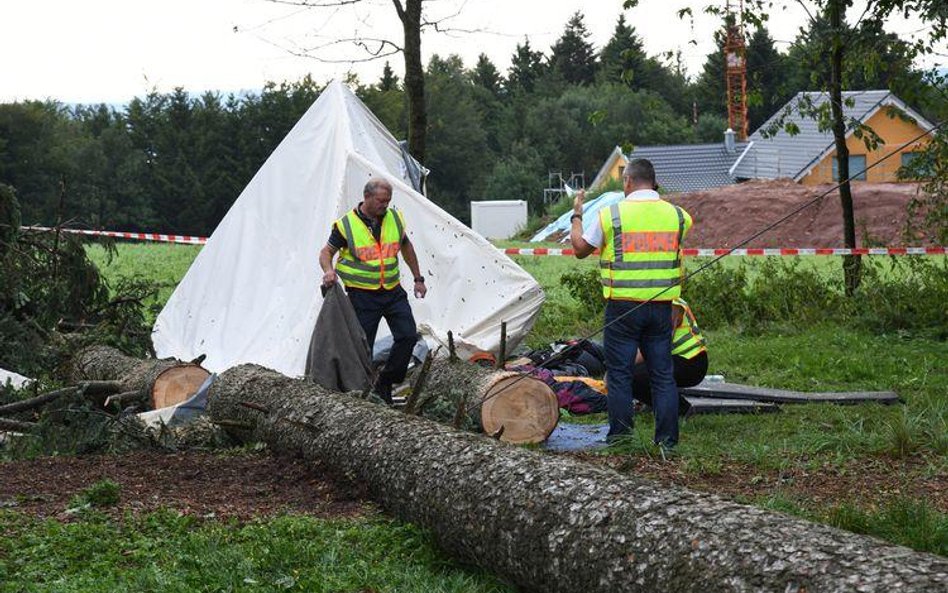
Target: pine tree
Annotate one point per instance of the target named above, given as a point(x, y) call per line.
point(485, 74)
point(389, 81)
point(526, 67)
point(573, 56)
point(623, 59)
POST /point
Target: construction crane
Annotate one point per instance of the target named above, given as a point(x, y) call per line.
point(735, 52)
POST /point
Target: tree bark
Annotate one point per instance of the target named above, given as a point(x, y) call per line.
point(549, 523)
point(410, 16)
point(852, 264)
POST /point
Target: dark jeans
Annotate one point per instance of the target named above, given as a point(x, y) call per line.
point(370, 307)
point(688, 373)
point(649, 329)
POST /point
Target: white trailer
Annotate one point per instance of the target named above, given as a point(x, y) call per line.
point(498, 219)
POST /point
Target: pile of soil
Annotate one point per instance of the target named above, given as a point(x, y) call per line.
point(727, 215)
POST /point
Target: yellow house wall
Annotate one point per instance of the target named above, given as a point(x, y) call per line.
point(617, 165)
point(894, 132)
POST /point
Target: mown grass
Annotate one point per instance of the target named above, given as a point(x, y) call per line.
point(809, 351)
point(170, 552)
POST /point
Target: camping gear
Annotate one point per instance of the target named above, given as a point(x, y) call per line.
point(252, 294)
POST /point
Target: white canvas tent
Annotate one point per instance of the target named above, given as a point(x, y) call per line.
point(15, 379)
point(252, 294)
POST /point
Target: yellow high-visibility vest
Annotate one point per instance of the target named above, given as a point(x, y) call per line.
point(641, 251)
point(687, 341)
point(366, 263)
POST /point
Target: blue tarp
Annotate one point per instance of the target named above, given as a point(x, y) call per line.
point(590, 215)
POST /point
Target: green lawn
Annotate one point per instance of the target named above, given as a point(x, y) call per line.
point(824, 356)
point(167, 552)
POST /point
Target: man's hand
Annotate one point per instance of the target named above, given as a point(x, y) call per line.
point(420, 290)
point(329, 278)
point(578, 202)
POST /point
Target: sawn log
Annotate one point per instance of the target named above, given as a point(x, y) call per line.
point(161, 382)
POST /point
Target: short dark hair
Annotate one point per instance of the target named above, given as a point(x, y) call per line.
point(640, 170)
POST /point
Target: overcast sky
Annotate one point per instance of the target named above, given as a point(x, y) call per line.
point(112, 50)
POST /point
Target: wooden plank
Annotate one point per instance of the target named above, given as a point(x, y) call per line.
point(708, 405)
point(783, 396)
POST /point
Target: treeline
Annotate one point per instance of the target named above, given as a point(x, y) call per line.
point(175, 162)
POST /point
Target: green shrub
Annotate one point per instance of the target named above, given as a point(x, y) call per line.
point(101, 494)
point(584, 286)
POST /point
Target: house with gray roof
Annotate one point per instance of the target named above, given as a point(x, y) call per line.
point(681, 167)
point(808, 156)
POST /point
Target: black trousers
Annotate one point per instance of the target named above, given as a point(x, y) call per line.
point(688, 373)
point(371, 306)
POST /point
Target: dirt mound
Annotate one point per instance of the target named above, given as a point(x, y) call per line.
point(727, 215)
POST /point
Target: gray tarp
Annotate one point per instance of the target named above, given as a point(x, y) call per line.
point(338, 357)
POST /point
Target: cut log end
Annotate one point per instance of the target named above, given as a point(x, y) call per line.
point(523, 408)
point(176, 384)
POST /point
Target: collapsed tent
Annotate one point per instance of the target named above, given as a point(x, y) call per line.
point(15, 379)
point(252, 294)
point(558, 230)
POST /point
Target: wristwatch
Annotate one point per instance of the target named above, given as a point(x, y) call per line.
point(575, 216)
point(420, 279)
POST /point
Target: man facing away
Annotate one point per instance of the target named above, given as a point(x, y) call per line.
point(369, 238)
point(640, 271)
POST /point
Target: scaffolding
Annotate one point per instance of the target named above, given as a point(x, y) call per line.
point(556, 185)
point(735, 54)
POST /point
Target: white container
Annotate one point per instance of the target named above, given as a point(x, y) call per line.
point(498, 219)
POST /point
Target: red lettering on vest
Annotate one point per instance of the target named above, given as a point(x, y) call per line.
point(649, 242)
point(370, 253)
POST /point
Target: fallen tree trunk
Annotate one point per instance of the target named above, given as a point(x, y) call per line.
point(556, 524)
point(161, 382)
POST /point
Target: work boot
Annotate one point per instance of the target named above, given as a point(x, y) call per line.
point(384, 391)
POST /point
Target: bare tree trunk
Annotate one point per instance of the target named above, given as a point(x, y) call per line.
point(852, 264)
point(410, 15)
point(551, 523)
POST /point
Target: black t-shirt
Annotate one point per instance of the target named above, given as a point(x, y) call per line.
point(338, 241)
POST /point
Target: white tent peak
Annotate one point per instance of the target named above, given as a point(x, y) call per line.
point(252, 294)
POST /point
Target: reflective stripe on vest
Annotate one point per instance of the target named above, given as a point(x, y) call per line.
point(687, 341)
point(366, 263)
point(641, 254)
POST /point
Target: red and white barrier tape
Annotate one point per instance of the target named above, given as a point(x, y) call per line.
point(189, 240)
point(160, 238)
point(756, 251)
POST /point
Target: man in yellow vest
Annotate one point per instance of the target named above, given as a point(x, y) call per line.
point(640, 271)
point(689, 357)
point(368, 239)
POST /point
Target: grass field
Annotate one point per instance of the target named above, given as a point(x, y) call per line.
point(167, 552)
point(869, 468)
